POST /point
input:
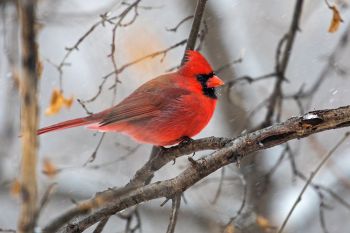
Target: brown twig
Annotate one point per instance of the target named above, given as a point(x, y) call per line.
point(318, 188)
point(282, 64)
point(176, 201)
point(309, 180)
point(45, 200)
point(191, 42)
point(174, 29)
point(227, 65)
point(94, 153)
point(104, 18)
point(29, 116)
point(162, 53)
point(244, 200)
point(329, 67)
point(118, 24)
point(219, 189)
point(249, 79)
point(129, 217)
point(228, 151)
point(101, 225)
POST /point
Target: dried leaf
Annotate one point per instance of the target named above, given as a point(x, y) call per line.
point(229, 228)
point(57, 102)
point(264, 223)
point(15, 188)
point(336, 20)
point(49, 168)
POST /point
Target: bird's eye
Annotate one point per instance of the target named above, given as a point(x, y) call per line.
point(203, 78)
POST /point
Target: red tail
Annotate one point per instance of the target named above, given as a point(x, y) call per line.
point(65, 125)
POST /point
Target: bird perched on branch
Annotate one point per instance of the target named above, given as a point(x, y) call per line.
point(164, 111)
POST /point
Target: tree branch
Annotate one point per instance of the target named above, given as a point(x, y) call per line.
point(308, 182)
point(191, 42)
point(29, 117)
point(281, 64)
point(174, 213)
point(228, 151)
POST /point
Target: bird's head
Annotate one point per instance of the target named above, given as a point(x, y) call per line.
point(197, 68)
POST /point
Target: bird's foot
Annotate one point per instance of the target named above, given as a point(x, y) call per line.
point(185, 140)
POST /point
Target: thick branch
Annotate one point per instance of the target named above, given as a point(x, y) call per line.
point(228, 151)
point(29, 117)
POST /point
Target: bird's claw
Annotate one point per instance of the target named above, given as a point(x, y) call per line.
point(185, 140)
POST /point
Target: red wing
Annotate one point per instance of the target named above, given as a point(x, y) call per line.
point(143, 104)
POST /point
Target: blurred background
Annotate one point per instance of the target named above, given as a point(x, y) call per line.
point(232, 30)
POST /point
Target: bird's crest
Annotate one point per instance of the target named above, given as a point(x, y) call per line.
point(195, 64)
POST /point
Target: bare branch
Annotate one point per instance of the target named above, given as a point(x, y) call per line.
point(221, 182)
point(195, 26)
point(162, 53)
point(281, 64)
point(174, 29)
point(330, 66)
point(313, 174)
point(44, 200)
point(249, 79)
point(94, 154)
point(101, 225)
point(244, 200)
point(176, 201)
point(29, 116)
point(228, 151)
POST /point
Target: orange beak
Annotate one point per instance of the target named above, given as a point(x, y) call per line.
point(215, 81)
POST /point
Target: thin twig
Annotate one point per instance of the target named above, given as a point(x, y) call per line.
point(330, 66)
point(94, 153)
point(282, 63)
point(176, 201)
point(104, 18)
point(313, 174)
point(101, 225)
point(45, 200)
point(249, 79)
point(218, 191)
point(129, 64)
point(174, 29)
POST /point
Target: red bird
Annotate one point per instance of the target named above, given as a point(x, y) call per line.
point(164, 111)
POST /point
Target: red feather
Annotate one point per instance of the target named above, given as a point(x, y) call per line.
point(161, 111)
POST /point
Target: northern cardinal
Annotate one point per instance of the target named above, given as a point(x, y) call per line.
point(164, 111)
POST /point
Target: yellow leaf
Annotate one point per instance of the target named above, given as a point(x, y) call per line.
point(336, 20)
point(49, 168)
point(57, 102)
point(229, 228)
point(262, 222)
point(15, 188)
